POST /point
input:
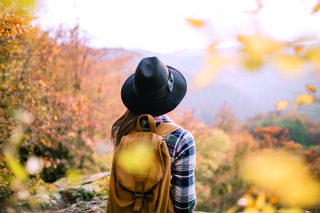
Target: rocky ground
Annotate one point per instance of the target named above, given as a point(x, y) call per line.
point(87, 196)
point(87, 193)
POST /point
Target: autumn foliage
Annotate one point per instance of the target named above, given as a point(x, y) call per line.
point(57, 100)
point(60, 97)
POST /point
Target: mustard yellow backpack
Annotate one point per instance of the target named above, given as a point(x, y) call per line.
point(148, 190)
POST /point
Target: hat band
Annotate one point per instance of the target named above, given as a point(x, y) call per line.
point(155, 94)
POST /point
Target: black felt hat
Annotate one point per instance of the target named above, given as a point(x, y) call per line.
point(154, 88)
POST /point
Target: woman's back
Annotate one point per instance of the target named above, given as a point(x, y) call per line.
point(157, 89)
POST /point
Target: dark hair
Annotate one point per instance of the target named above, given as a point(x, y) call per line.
point(123, 126)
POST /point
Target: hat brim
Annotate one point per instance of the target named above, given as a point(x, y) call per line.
point(154, 107)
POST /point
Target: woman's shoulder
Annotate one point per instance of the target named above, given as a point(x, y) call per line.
point(181, 138)
point(183, 133)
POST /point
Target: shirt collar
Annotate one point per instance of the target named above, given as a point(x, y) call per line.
point(162, 118)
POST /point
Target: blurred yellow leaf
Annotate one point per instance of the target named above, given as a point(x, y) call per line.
point(260, 201)
point(250, 210)
point(284, 175)
point(20, 4)
point(137, 159)
point(289, 63)
point(211, 64)
point(292, 210)
point(196, 23)
point(26, 3)
point(268, 209)
point(281, 105)
point(316, 8)
point(232, 210)
point(256, 46)
point(311, 88)
point(304, 99)
point(15, 166)
point(313, 56)
point(252, 63)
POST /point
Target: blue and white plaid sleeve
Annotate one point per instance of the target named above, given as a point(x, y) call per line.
point(182, 170)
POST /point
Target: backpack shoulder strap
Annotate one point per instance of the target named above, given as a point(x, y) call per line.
point(151, 121)
point(166, 128)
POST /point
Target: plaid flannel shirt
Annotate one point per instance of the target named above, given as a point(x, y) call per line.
point(182, 151)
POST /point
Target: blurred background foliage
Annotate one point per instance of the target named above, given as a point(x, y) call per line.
point(59, 98)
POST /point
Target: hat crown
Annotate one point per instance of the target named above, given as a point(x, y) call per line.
point(154, 88)
point(151, 74)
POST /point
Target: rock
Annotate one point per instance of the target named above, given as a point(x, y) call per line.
point(94, 205)
point(87, 196)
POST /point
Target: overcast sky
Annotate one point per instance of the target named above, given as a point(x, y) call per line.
point(161, 25)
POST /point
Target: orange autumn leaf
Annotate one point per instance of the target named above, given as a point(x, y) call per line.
point(43, 142)
point(273, 199)
point(311, 88)
point(196, 23)
point(298, 49)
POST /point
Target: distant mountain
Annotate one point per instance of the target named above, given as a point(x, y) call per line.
point(246, 92)
point(206, 102)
